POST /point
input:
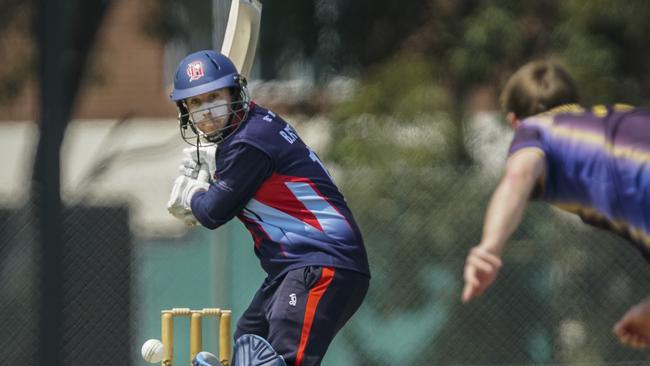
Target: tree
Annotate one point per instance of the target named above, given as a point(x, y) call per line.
point(17, 52)
point(398, 146)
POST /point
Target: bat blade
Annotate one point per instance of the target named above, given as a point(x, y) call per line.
point(242, 31)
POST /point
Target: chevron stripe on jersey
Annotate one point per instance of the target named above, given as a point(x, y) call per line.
point(295, 205)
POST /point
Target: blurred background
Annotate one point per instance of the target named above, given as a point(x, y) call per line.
point(401, 101)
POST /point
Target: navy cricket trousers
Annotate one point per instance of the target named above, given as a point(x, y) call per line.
point(301, 312)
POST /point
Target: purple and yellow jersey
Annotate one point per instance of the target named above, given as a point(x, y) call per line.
point(292, 208)
point(597, 165)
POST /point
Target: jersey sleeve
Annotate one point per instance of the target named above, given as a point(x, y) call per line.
point(245, 168)
point(527, 136)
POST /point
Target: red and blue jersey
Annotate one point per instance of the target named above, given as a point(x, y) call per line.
point(278, 187)
point(597, 165)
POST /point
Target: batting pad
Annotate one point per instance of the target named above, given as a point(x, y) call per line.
point(253, 350)
point(205, 359)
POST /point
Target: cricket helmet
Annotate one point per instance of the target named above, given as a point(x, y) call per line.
point(202, 72)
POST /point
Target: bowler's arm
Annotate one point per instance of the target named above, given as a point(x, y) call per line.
point(510, 199)
point(503, 215)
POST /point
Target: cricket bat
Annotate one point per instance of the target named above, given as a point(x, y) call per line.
point(242, 31)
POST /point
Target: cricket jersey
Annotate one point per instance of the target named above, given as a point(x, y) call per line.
point(280, 190)
point(597, 165)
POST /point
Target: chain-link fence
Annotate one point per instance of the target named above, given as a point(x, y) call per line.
point(96, 282)
point(562, 287)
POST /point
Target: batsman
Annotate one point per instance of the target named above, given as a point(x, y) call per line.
point(249, 163)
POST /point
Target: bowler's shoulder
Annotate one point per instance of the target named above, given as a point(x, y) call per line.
point(550, 116)
point(565, 114)
point(598, 115)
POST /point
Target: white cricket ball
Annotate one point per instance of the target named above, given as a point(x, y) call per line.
point(152, 351)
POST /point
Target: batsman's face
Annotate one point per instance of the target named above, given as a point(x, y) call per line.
point(209, 111)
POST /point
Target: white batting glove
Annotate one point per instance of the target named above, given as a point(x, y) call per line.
point(206, 158)
point(184, 189)
point(189, 168)
point(183, 214)
point(190, 220)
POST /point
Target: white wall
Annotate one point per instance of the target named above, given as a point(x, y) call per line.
point(147, 155)
point(138, 175)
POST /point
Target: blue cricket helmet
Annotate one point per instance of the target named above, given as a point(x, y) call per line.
point(203, 71)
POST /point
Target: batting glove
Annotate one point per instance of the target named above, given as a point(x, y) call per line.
point(180, 200)
point(183, 214)
point(195, 159)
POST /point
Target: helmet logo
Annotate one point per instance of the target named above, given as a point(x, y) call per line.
point(195, 70)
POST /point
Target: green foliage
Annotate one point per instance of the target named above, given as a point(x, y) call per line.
point(403, 87)
point(491, 36)
point(16, 48)
point(605, 45)
point(394, 119)
point(395, 143)
point(189, 21)
point(462, 45)
point(14, 78)
point(424, 86)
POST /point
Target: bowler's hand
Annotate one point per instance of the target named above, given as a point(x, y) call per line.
point(481, 269)
point(634, 327)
